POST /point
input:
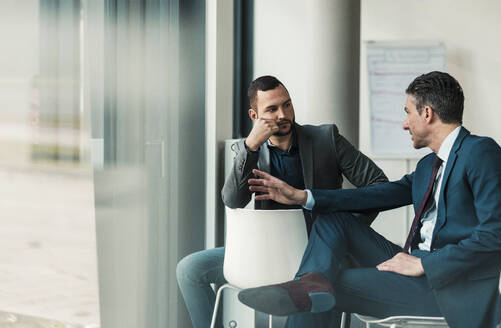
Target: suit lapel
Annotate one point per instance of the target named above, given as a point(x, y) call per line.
point(451, 161)
point(263, 162)
point(305, 153)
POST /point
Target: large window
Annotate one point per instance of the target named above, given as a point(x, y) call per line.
point(145, 69)
point(102, 122)
point(47, 241)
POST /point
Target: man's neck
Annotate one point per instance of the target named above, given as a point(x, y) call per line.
point(440, 135)
point(282, 142)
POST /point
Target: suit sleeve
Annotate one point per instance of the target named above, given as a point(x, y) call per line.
point(235, 192)
point(483, 246)
point(379, 197)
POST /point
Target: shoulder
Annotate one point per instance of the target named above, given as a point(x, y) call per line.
point(321, 131)
point(481, 153)
point(426, 160)
point(477, 145)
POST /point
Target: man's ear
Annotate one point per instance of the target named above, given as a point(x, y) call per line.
point(252, 114)
point(428, 113)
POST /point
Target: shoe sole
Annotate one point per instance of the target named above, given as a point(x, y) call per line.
point(276, 301)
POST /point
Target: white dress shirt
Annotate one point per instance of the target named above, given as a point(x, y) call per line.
point(429, 217)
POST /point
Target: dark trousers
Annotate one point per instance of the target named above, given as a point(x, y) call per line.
point(364, 290)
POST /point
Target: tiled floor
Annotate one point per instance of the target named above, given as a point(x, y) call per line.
point(11, 320)
point(48, 265)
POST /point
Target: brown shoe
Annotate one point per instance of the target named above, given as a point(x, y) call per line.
point(311, 293)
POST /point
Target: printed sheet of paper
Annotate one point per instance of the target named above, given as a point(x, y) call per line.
point(391, 67)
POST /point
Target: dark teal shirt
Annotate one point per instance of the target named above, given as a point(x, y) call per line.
point(286, 165)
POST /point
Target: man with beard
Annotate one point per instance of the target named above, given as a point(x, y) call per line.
point(303, 156)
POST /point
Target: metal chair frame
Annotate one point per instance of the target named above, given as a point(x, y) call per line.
point(403, 321)
point(218, 301)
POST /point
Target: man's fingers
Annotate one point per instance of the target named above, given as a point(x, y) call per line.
point(387, 266)
point(262, 174)
point(382, 263)
point(267, 120)
point(268, 179)
point(262, 197)
point(259, 182)
point(262, 182)
point(258, 188)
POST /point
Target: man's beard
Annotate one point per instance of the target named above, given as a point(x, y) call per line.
point(281, 134)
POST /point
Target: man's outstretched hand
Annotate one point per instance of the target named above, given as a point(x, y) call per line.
point(275, 189)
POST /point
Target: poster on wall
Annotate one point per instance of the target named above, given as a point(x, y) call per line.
point(391, 67)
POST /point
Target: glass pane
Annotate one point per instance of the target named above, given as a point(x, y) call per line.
point(47, 241)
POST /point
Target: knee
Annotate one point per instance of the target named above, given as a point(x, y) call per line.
point(186, 269)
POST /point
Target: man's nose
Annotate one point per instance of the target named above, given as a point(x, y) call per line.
point(280, 113)
point(405, 125)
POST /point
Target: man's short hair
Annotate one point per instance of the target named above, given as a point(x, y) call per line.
point(262, 83)
point(441, 92)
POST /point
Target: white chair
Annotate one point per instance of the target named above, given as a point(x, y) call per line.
point(263, 247)
point(402, 321)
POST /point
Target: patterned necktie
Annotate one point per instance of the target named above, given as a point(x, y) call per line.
point(436, 165)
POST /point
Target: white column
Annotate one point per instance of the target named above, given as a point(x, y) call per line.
point(219, 106)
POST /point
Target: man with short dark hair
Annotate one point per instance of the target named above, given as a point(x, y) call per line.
point(303, 156)
point(454, 241)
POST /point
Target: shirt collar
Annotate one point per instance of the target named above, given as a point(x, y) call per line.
point(446, 146)
point(293, 143)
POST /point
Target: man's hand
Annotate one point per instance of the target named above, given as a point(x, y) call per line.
point(276, 189)
point(403, 264)
point(261, 131)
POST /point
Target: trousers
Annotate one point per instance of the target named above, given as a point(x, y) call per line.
point(197, 271)
point(364, 290)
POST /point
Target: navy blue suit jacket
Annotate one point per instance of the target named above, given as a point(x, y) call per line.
point(463, 265)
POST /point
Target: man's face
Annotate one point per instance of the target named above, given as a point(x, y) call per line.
point(415, 123)
point(276, 105)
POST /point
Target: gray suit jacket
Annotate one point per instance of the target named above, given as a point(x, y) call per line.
point(325, 157)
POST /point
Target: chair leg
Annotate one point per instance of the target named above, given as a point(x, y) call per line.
point(343, 320)
point(216, 305)
point(218, 300)
point(270, 321)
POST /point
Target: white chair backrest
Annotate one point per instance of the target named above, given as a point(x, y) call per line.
point(263, 246)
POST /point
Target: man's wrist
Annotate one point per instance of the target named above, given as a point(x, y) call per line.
point(310, 201)
point(302, 197)
point(251, 145)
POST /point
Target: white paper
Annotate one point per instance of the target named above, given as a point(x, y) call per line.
point(391, 68)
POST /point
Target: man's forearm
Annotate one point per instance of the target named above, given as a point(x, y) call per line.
point(374, 198)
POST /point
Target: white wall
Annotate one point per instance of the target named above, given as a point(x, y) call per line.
point(310, 47)
point(469, 29)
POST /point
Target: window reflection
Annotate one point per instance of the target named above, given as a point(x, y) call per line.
point(48, 271)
